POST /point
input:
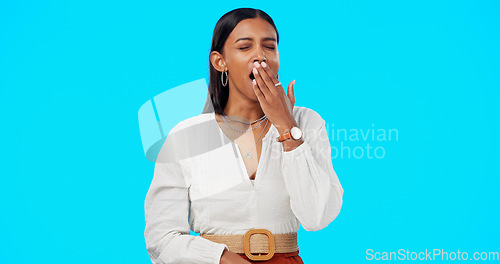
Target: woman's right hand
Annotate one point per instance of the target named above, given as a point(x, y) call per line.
point(229, 257)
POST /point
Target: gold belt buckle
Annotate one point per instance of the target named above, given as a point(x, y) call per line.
point(246, 244)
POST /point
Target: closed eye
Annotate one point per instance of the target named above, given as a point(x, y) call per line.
point(244, 48)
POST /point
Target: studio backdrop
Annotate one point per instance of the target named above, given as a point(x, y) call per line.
point(409, 93)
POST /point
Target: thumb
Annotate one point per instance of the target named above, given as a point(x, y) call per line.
point(291, 92)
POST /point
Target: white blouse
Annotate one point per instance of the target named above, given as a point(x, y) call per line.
point(200, 183)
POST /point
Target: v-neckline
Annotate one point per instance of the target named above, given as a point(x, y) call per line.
point(240, 157)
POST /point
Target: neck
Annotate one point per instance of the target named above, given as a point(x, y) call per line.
point(243, 108)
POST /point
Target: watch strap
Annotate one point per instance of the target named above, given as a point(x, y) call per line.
point(285, 136)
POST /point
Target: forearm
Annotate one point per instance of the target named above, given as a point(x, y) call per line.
point(290, 144)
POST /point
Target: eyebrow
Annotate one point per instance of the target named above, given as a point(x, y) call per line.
point(248, 38)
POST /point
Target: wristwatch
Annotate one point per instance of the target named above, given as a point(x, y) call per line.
point(294, 133)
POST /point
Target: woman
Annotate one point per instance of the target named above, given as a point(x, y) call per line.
point(248, 174)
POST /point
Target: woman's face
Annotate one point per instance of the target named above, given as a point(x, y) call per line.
point(253, 39)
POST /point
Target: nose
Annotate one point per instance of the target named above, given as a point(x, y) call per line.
point(261, 56)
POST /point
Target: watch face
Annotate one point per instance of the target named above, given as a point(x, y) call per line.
point(296, 133)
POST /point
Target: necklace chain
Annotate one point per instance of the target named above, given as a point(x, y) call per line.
point(249, 155)
point(242, 131)
point(248, 123)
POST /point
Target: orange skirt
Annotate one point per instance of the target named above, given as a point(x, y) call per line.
point(285, 258)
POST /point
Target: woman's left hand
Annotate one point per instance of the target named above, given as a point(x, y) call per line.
point(277, 105)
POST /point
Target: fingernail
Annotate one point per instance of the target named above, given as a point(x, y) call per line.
point(255, 71)
point(257, 65)
point(264, 64)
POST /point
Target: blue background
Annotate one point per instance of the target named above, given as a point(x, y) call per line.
point(73, 75)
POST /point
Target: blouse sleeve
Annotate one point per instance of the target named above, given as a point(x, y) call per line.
point(312, 184)
point(167, 231)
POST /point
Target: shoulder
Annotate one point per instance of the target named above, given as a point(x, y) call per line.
point(191, 122)
point(307, 119)
point(186, 134)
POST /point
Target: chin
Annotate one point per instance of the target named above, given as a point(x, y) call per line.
point(248, 86)
point(254, 96)
point(247, 90)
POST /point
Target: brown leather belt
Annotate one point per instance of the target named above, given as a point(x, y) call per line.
point(257, 241)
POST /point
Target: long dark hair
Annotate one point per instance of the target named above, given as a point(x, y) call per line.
point(218, 93)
